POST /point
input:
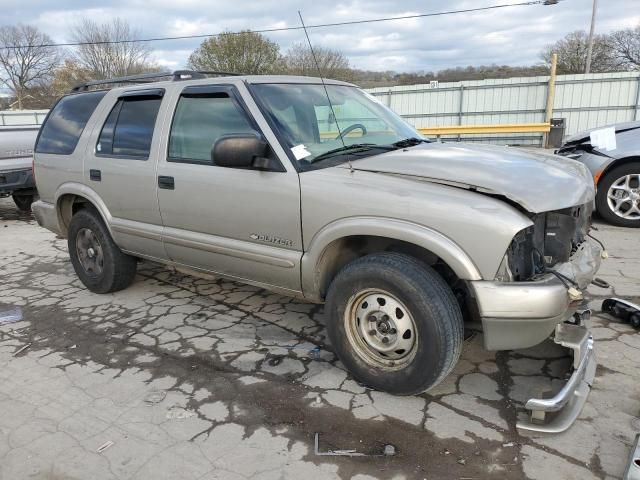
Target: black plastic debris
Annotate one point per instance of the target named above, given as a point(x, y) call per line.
point(623, 309)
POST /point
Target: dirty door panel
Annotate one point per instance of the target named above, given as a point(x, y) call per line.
point(120, 167)
point(242, 223)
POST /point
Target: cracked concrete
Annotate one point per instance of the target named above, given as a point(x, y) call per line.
point(185, 377)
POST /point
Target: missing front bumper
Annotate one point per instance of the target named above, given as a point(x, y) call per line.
point(557, 414)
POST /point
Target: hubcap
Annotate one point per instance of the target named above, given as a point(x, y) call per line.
point(380, 329)
point(623, 197)
point(89, 252)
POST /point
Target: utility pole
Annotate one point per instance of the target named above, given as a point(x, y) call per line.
point(593, 27)
point(551, 95)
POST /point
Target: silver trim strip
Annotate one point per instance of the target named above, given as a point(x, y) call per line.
point(232, 252)
point(117, 225)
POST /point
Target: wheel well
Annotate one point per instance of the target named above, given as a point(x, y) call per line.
point(68, 206)
point(344, 250)
point(617, 163)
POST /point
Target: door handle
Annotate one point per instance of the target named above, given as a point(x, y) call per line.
point(95, 175)
point(167, 183)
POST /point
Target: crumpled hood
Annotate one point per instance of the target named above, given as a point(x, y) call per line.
point(538, 182)
point(619, 127)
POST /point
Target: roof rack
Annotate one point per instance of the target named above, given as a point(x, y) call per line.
point(151, 77)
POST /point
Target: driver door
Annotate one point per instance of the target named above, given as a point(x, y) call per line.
point(241, 223)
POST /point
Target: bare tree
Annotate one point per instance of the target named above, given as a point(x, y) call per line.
point(245, 52)
point(626, 47)
point(572, 54)
point(24, 62)
point(68, 75)
point(109, 50)
point(333, 64)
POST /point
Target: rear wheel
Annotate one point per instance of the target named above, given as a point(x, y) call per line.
point(97, 260)
point(618, 198)
point(23, 202)
point(394, 323)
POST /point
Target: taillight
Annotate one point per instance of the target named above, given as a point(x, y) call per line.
point(33, 169)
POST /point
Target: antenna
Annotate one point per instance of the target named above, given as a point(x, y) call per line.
point(326, 92)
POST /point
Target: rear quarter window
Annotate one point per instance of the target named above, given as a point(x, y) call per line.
point(64, 125)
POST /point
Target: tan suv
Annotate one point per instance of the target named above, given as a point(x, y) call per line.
point(321, 192)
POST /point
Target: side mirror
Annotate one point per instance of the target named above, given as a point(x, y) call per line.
point(240, 151)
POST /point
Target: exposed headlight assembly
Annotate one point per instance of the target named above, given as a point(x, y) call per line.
point(504, 271)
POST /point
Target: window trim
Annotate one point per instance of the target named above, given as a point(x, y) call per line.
point(132, 94)
point(35, 145)
point(235, 96)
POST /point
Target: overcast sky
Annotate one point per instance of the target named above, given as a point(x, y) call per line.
point(512, 36)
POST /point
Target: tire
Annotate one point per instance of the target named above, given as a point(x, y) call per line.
point(603, 203)
point(415, 298)
point(634, 320)
point(23, 202)
point(97, 260)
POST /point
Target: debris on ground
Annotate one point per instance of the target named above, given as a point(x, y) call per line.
point(336, 453)
point(179, 413)
point(12, 315)
point(104, 446)
point(22, 349)
point(155, 396)
point(623, 309)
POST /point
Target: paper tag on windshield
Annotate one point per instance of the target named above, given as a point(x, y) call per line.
point(605, 138)
point(300, 151)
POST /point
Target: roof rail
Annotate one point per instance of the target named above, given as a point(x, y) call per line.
point(151, 77)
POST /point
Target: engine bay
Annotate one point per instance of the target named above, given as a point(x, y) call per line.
point(552, 239)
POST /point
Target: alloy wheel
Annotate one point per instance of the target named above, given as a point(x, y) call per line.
point(623, 197)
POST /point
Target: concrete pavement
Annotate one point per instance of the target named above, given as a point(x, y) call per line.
point(185, 377)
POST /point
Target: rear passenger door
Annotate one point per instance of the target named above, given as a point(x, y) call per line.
point(242, 223)
point(120, 166)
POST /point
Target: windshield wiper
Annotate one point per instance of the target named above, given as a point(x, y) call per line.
point(356, 147)
point(409, 142)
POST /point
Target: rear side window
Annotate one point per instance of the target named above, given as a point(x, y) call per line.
point(128, 130)
point(64, 125)
point(200, 120)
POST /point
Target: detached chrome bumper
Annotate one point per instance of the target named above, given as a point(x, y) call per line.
point(557, 414)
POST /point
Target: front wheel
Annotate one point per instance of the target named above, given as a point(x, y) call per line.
point(618, 198)
point(394, 323)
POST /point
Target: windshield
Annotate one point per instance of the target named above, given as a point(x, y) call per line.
point(306, 123)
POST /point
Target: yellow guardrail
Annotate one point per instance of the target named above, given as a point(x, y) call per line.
point(486, 129)
point(463, 130)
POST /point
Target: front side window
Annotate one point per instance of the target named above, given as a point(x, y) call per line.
point(200, 120)
point(64, 125)
point(322, 133)
point(128, 130)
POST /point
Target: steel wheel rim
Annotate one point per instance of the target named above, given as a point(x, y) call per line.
point(89, 250)
point(623, 197)
point(380, 329)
